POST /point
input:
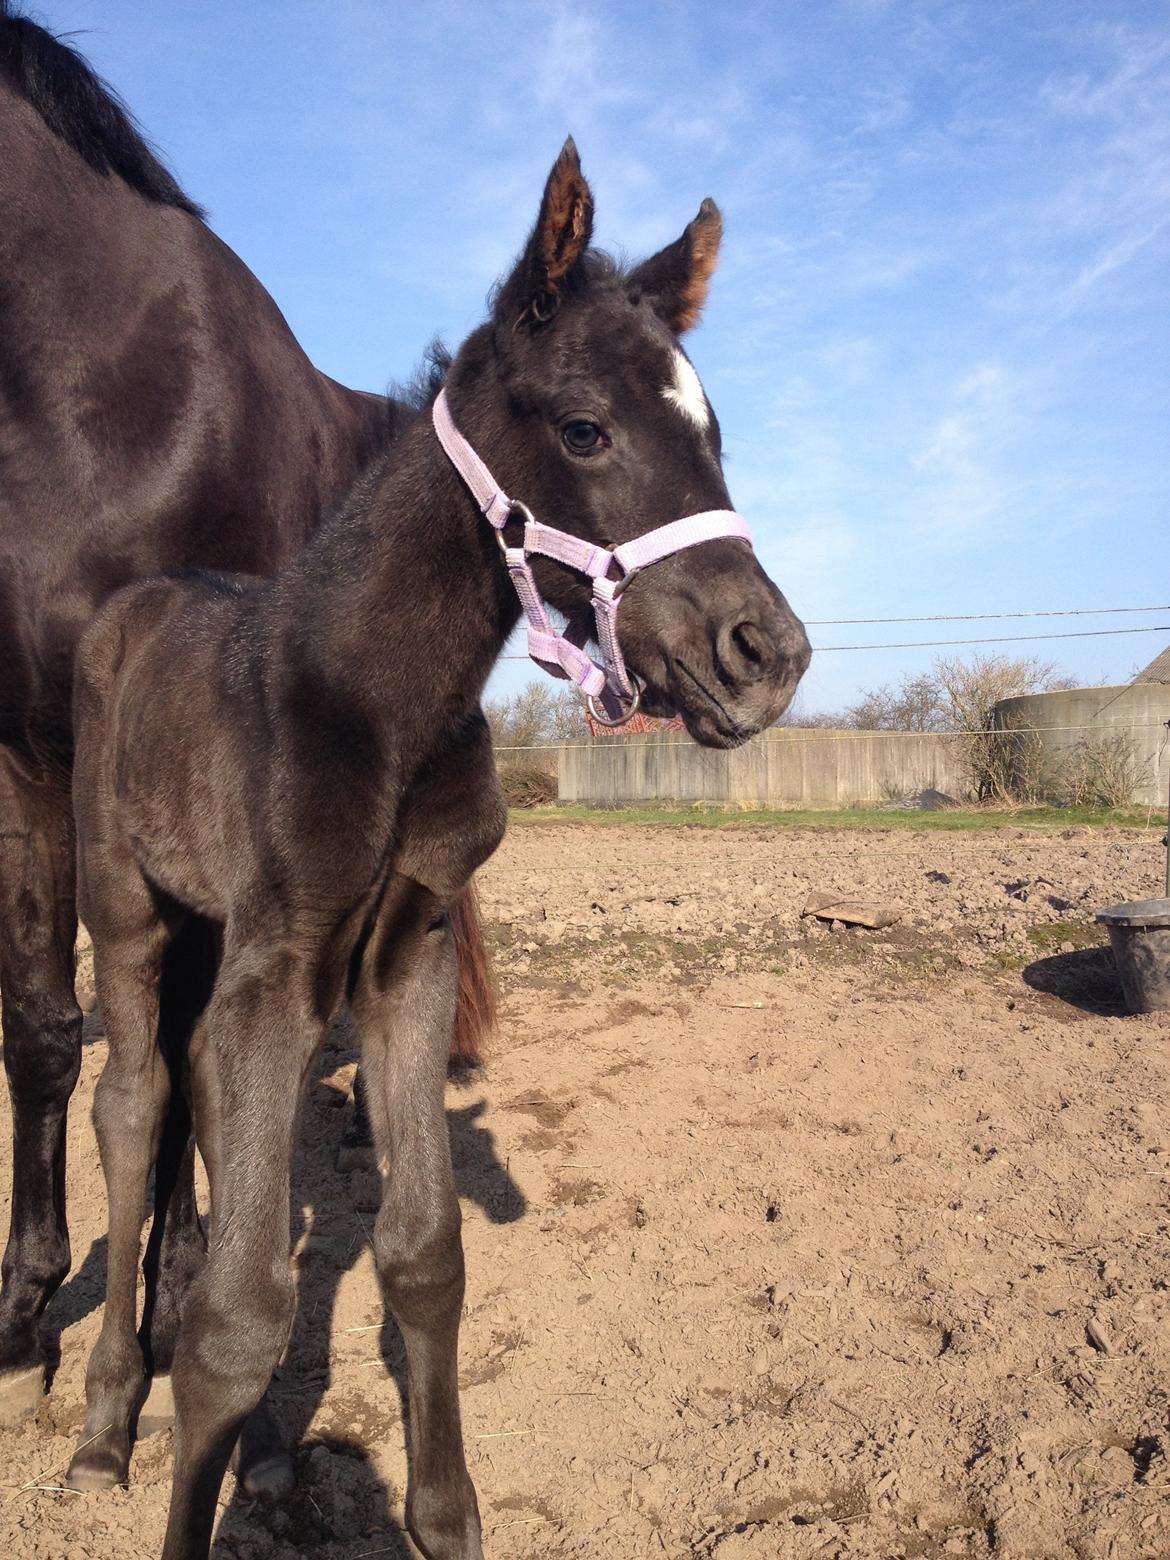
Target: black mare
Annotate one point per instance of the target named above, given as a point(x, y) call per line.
point(305, 762)
point(156, 413)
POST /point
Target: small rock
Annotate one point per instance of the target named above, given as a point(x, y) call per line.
point(1098, 1336)
point(853, 912)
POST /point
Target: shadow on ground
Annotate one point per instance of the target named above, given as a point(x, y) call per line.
point(1086, 979)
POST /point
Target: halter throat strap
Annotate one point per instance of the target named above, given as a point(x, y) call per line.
point(612, 693)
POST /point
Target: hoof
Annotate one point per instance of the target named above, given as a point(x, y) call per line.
point(98, 1465)
point(270, 1479)
point(21, 1392)
point(260, 1461)
point(158, 1411)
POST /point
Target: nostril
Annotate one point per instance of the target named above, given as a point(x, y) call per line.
point(749, 642)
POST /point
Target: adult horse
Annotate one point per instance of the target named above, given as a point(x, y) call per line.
point(156, 414)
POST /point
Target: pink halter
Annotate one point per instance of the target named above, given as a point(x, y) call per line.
point(610, 684)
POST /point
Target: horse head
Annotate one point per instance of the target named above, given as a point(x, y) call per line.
point(580, 397)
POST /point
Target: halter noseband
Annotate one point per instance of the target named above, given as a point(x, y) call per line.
point(609, 685)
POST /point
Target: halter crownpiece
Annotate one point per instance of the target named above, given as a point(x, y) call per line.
point(609, 685)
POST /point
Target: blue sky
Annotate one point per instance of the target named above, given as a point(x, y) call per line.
point(938, 340)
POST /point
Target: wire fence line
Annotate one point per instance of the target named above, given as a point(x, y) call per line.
point(831, 734)
point(997, 639)
point(981, 617)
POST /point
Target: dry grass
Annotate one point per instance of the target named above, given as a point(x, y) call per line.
point(528, 785)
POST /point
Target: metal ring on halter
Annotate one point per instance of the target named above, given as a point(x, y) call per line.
point(604, 720)
point(516, 511)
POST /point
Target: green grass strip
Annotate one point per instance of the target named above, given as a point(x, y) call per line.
point(708, 816)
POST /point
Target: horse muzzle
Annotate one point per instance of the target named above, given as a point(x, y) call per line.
point(726, 653)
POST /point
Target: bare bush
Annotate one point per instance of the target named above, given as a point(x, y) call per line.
point(1005, 764)
point(1102, 770)
point(1010, 765)
point(526, 728)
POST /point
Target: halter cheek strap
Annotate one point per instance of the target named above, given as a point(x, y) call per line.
point(609, 685)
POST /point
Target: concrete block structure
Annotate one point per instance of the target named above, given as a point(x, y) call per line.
point(1069, 717)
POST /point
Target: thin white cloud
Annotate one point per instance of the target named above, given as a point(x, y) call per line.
point(959, 488)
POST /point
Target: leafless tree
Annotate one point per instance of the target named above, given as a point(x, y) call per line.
point(797, 716)
point(914, 704)
point(971, 687)
point(538, 716)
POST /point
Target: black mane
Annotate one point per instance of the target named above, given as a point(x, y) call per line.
point(418, 393)
point(79, 107)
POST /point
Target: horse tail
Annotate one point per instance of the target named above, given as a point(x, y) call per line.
point(475, 1011)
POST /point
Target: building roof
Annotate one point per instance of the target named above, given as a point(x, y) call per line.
point(1158, 670)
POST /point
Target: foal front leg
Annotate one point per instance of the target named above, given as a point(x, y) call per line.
point(404, 1004)
point(248, 1062)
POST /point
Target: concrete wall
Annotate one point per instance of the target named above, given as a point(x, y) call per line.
point(1073, 715)
point(794, 768)
point(779, 768)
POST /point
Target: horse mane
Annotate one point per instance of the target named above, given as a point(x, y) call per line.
point(79, 107)
point(417, 394)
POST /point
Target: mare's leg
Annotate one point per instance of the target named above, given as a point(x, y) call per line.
point(42, 1057)
point(404, 1005)
point(129, 1107)
point(248, 1063)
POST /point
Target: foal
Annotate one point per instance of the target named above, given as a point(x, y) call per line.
point(303, 761)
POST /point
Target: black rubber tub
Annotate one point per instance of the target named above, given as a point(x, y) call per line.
point(1140, 934)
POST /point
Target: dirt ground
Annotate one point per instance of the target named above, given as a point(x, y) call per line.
point(782, 1241)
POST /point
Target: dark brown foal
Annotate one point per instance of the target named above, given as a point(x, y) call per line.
point(303, 763)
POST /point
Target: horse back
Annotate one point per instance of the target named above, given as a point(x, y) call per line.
point(145, 693)
point(156, 413)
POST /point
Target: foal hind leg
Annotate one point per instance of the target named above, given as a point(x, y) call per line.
point(42, 1057)
point(404, 1004)
point(129, 1106)
point(177, 1247)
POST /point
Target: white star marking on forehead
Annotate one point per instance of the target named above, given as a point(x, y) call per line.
point(687, 393)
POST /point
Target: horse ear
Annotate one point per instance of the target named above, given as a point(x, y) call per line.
point(676, 280)
point(552, 257)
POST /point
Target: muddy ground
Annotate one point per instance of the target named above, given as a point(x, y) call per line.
point(782, 1241)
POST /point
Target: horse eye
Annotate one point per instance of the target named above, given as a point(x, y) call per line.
point(582, 437)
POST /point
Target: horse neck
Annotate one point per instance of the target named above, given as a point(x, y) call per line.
point(403, 602)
